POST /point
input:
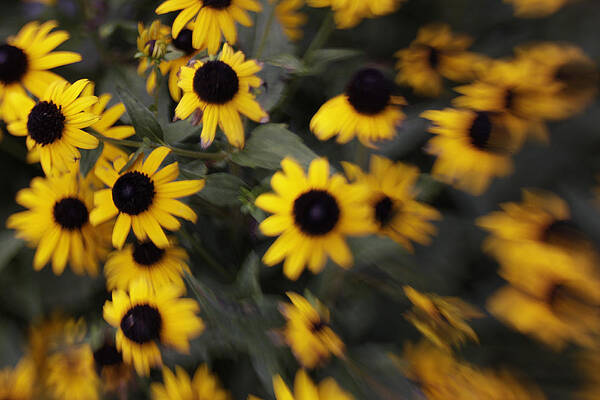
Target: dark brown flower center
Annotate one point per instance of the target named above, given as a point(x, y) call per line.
point(316, 212)
point(369, 91)
point(147, 254)
point(70, 213)
point(561, 232)
point(45, 123)
point(481, 130)
point(216, 82)
point(183, 42)
point(384, 211)
point(13, 64)
point(434, 57)
point(133, 193)
point(142, 324)
point(577, 75)
point(107, 355)
point(318, 326)
point(216, 4)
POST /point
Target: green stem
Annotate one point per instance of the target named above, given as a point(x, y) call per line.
point(265, 35)
point(182, 152)
point(325, 30)
point(157, 88)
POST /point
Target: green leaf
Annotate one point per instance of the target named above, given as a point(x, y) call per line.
point(144, 122)
point(247, 281)
point(138, 153)
point(177, 131)
point(193, 170)
point(89, 158)
point(271, 143)
point(289, 62)
point(222, 189)
point(10, 247)
point(323, 57)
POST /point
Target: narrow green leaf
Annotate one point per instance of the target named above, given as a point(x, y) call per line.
point(10, 246)
point(271, 143)
point(323, 57)
point(222, 189)
point(247, 281)
point(89, 158)
point(143, 120)
point(289, 62)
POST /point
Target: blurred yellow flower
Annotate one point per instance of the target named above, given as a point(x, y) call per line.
point(115, 374)
point(72, 374)
point(349, 13)
point(536, 8)
point(290, 19)
point(18, 383)
point(305, 389)
point(203, 386)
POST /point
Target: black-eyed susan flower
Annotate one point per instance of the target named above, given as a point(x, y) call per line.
point(146, 318)
point(114, 373)
point(472, 147)
point(144, 198)
point(53, 124)
point(25, 61)
point(308, 332)
point(213, 18)
point(159, 266)
point(394, 211)
point(366, 110)
point(71, 374)
point(152, 44)
point(536, 8)
point(204, 385)
point(290, 18)
point(218, 91)
point(57, 223)
point(312, 216)
point(442, 320)
point(17, 383)
point(435, 54)
point(304, 388)
point(349, 13)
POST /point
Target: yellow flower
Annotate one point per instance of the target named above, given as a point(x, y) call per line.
point(313, 214)
point(471, 147)
point(143, 198)
point(290, 19)
point(53, 124)
point(143, 259)
point(72, 375)
point(57, 222)
point(218, 91)
point(305, 389)
point(442, 320)
point(145, 318)
point(204, 386)
point(435, 54)
point(394, 211)
point(26, 59)
point(115, 374)
point(308, 333)
point(367, 110)
point(212, 18)
point(348, 13)
point(536, 8)
point(18, 383)
point(152, 44)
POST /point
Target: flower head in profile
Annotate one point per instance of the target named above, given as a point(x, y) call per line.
point(53, 125)
point(71, 374)
point(435, 54)
point(394, 211)
point(442, 320)
point(143, 197)
point(472, 147)
point(308, 332)
point(178, 385)
point(146, 318)
point(312, 215)
point(304, 388)
point(18, 383)
point(367, 110)
point(57, 223)
point(536, 8)
point(217, 91)
point(152, 44)
point(25, 61)
point(349, 13)
point(213, 19)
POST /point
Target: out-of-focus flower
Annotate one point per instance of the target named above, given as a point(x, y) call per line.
point(71, 374)
point(394, 211)
point(308, 333)
point(349, 13)
point(304, 388)
point(536, 8)
point(312, 216)
point(217, 91)
point(159, 266)
point(146, 318)
point(435, 54)
point(471, 147)
point(115, 374)
point(442, 320)
point(152, 44)
point(290, 19)
point(551, 268)
point(143, 198)
point(213, 19)
point(442, 377)
point(366, 110)
point(57, 223)
point(204, 385)
point(25, 60)
point(53, 124)
point(18, 383)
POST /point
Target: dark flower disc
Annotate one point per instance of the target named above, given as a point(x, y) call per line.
point(13, 64)
point(481, 130)
point(316, 212)
point(70, 213)
point(147, 253)
point(133, 193)
point(369, 91)
point(107, 355)
point(45, 123)
point(142, 324)
point(384, 211)
point(183, 41)
point(216, 82)
point(216, 4)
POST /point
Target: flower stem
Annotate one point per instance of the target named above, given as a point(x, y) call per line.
point(327, 27)
point(265, 35)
